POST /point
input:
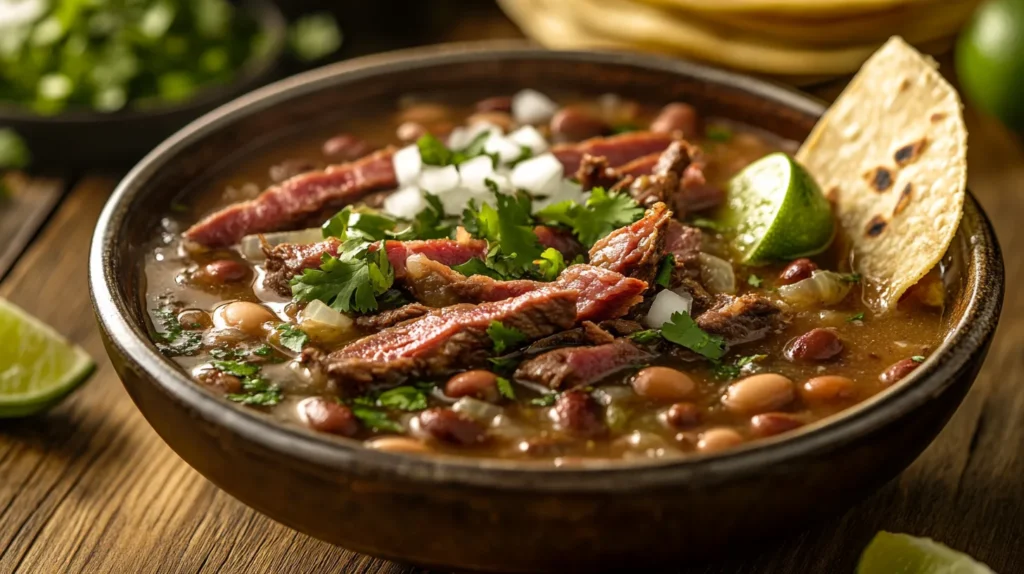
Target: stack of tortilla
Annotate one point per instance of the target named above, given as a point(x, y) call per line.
point(801, 41)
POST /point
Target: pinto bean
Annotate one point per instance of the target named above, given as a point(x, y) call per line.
point(898, 371)
point(578, 413)
point(325, 415)
point(501, 119)
point(222, 272)
point(798, 270)
point(410, 132)
point(827, 389)
point(678, 118)
point(447, 426)
point(758, 394)
point(478, 384)
point(663, 384)
point(495, 104)
point(575, 124)
point(718, 438)
point(815, 345)
point(194, 319)
point(220, 381)
point(771, 424)
point(682, 416)
point(346, 147)
point(399, 444)
point(244, 316)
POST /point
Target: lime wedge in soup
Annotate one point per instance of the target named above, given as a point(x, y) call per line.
point(778, 212)
point(38, 367)
point(892, 553)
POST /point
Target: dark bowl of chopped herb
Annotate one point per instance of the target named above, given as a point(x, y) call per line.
point(497, 514)
point(110, 96)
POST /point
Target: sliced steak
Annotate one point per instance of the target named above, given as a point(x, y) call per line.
point(288, 260)
point(283, 205)
point(595, 172)
point(683, 242)
point(575, 366)
point(676, 178)
point(563, 241)
point(617, 150)
point(392, 317)
point(741, 319)
point(621, 327)
point(637, 249)
point(442, 341)
point(586, 334)
point(603, 294)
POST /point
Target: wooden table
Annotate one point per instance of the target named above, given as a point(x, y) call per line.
point(90, 487)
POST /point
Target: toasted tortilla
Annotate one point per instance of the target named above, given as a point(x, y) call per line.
point(802, 8)
point(891, 153)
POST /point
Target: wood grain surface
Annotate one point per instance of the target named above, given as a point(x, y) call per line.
point(89, 487)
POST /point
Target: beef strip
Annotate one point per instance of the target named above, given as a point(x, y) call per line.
point(635, 250)
point(288, 260)
point(603, 294)
point(392, 317)
point(587, 333)
point(617, 150)
point(563, 241)
point(595, 172)
point(294, 199)
point(741, 319)
point(676, 178)
point(621, 327)
point(683, 242)
point(575, 366)
point(442, 341)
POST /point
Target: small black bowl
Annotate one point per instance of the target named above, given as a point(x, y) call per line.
point(80, 139)
point(505, 515)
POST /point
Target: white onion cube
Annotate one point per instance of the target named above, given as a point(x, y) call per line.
point(532, 107)
point(439, 179)
point(540, 175)
point(529, 136)
point(408, 165)
point(665, 304)
point(475, 171)
point(506, 149)
point(405, 203)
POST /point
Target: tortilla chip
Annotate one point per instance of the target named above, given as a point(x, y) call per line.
point(892, 151)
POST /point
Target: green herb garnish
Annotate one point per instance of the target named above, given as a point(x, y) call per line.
point(550, 264)
point(505, 389)
point(429, 223)
point(602, 213)
point(850, 277)
point(512, 245)
point(857, 317)
point(754, 280)
point(350, 282)
point(665, 269)
point(376, 419)
point(647, 336)
point(504, 337)
point(544, 400)
point(263, 351)
point(917, 358)
point(731, 371)
point(683, 331)
point(258, 391)
point(292, 338)
point(404, 398)
point(174, 339)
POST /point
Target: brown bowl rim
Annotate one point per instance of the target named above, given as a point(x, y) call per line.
point(966, 339)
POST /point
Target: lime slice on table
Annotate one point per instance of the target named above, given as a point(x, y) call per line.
point(892, 553)
point(778, 211)
point(38, 367)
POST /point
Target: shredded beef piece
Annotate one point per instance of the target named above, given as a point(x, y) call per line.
point(563, 241)
point(617, 150)
point(595, 172)
point(442, 341)
point(683, 242)
point(676, 178)
point(586, 334)
point(603, 294)
point(283, 205)
point(392, 317)
point(741, 319)
point(621, 327)
point(637, 249)
point(702, 300)
point(571, 367)
point(288, 260)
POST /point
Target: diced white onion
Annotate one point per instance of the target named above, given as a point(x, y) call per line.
point(406, 202)
point(665, 304)
point(475, 171)
point(455, 200)
point(529, 136)
point(564, 190)
point(324, 324)
point(717, 274)
point(477, 409)
point(408, 165)
point(439, 179)
point(821, 288)
point(252, 248)
point(463, 136)
point(506, 149)
point(540, 175)
point(532, 107)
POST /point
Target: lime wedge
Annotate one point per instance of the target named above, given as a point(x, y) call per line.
point(892, 553)
point(38, 367)
point(778, 211)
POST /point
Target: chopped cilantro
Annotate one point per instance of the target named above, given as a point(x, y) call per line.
point(917, 358)
point(404, 398)
point(292, 338)
point(505, 389)
point(731, 371)
point(434, 152)
point(665, 268)
point(718, 134)
point(258, 391)
point(850, 277)
point(477, 267)
point(683, 330)
point(504, 364)
point(512, 245)
point(857, 317)
point(429, 223)
point(236, 368)
point(504, 337)
point(350, 282)
point(710, 224)
point(544, 400)
point(602, 213)
point(551, 264)
point(644, 337)
point(228, 354)
point(365, 225)
point(376, 419)
point(754, 280)
point(263, 351)
point(174, 339)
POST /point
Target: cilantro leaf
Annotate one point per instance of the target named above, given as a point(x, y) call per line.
point(544, 400)
point(754, 280)
point(376, 419)
point(505, 389)
point(602, 213)
point(350, 282)
point(292, 338)
point(918, 358)
point(731, 371)
point(429, 223)
point(504, 337)
point(647, 336)
point(263, 351)
point(174, 339)
point(665, 268)
point(505, 364)
point(512, 245)
point(258, 391)
point(404, 398)
point(236, 368)
point(433, 151)
point(551, 264)
point(683, 331)
point(477, 267)
point(365, 225)
point(857, 317)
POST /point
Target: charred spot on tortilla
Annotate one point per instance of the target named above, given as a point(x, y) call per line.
point(832, 194)
point(904, 199)
point(938, 117)
point(876, 226)
point(909, 153)
point(881, 179)
point(905, 84)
